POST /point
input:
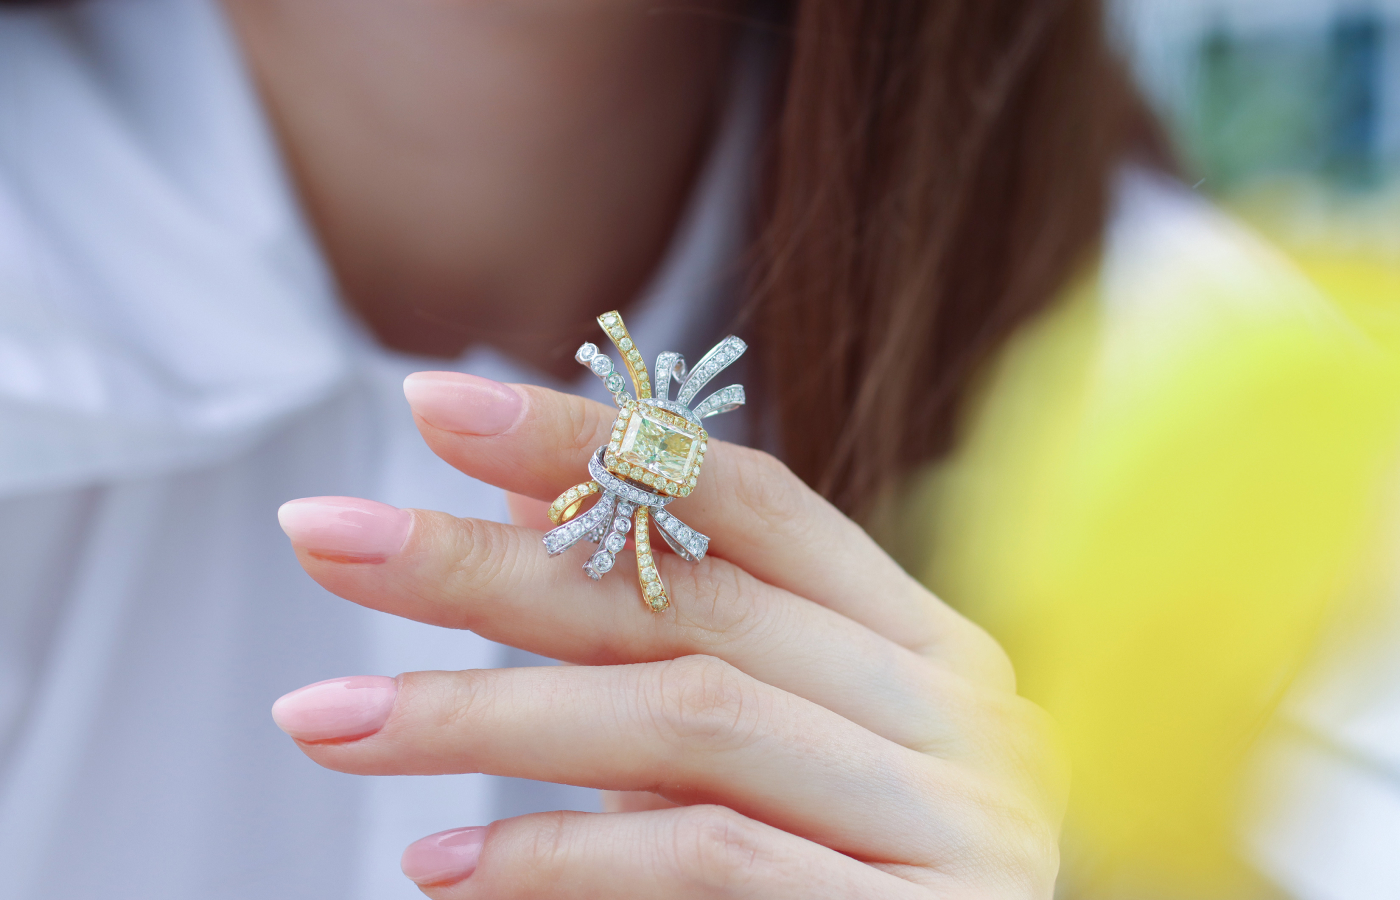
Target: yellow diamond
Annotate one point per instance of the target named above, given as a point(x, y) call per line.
point(657, 447)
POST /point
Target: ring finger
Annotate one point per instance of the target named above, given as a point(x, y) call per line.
point(694, 730)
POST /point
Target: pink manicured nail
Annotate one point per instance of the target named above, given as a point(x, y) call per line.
point(341, 709)
point(465, 404)
point(444, 858)
point(346, 529)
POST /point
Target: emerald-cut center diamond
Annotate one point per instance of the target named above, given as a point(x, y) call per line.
point(658, 447)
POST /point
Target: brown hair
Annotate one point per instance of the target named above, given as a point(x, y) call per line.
point(938, 171)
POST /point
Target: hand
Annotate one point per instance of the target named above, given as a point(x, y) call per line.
point(811, 722)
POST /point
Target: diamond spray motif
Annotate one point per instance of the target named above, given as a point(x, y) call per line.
point(653, 457)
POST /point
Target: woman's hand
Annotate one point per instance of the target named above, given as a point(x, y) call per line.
point(813, 722)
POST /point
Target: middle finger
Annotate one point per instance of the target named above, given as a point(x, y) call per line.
point(491, 579)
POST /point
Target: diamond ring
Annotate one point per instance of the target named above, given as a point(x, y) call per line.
point(653, 458)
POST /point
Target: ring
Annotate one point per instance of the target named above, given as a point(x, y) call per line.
point(653, 458)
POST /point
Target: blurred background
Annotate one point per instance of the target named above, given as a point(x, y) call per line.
point(1288, 113)
point(1195, 574)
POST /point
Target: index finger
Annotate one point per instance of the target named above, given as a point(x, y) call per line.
point(537, 442)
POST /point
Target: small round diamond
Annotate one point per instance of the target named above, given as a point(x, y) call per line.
point(615, 382)
point(601, 365)
point(625, 509)
point(615, 542)
point(648, 574)
point(586, 353)
point(626, 344)
point(602, 561)
point(685, 492)
point(622, 525)
point(652, 589)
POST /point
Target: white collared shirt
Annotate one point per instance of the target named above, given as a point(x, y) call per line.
point(174, 365)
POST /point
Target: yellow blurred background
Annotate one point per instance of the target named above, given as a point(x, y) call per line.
point(1175, 500)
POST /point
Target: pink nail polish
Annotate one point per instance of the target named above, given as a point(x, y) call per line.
point(342, 709)
point(444, 858)
point(346, 529)
point(465, 404)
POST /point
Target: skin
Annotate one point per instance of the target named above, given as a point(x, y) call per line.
point(490, 171)
point(805, 721)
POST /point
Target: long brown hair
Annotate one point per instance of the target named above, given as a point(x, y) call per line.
point(939, 169)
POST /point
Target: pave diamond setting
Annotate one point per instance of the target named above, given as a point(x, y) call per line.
point(653, 457)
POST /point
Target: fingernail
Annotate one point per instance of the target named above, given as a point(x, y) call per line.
point(444, 858)
point(341, 709)
point(465, 404)
point(346, 529)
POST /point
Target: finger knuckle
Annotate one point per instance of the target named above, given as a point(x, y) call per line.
point(722, 603)
point(996, 663)
point(764, 485)
point(1042, 755)
point(583, 423)
point(971, 649)
point(549, 843)
point(485, 560)
point(1030, 850)
point(718, 849)
point(477, 557)
point(1017, 842)
point(701, 700)
point(467, 697)
point(541, 850)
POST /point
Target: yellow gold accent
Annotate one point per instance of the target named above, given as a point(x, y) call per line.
point(636, 366)
point(567, 504)
point(653, 591)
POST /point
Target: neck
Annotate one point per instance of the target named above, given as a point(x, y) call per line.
point(483, 172)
